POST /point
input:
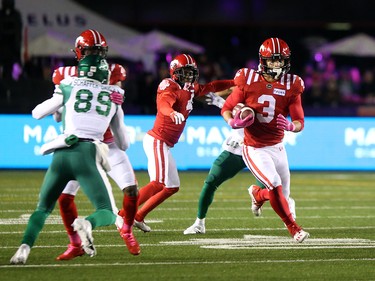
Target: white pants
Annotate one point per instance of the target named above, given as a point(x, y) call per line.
point(121, 172)
point(161, 164)
point(269, 165)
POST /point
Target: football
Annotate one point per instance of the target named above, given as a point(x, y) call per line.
point(238, 106)
point(246, 111)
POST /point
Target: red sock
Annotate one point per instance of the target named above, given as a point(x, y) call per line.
point(264, 194)
point(68, 211)
point(130, 207)
point(280, 205)
point(149, 190)
point(155, 201)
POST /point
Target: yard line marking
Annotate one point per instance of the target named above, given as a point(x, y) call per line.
point(209, 230)
point(274, 242)
point(181, 263)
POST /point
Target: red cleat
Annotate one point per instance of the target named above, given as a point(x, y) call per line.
point(130, 242)
point(71, 253)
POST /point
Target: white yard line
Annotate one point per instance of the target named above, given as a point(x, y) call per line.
point(185, 263)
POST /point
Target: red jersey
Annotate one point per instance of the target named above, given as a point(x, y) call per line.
point(118, 74)
point(171, 97)
point(267, 99)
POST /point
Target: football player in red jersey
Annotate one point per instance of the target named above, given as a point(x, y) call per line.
point(93, 42)
point(174, 103)
point(273, 94)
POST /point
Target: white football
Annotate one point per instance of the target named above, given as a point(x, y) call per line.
point(238, 106)
point(246, 111)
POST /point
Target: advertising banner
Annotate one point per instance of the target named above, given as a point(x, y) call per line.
point(324, 144)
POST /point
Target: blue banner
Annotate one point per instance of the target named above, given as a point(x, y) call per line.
point(324, 144)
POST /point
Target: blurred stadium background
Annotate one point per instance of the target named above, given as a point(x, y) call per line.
point(333, 50)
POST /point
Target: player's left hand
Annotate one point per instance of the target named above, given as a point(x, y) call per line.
point(117, 98)
point(283, 123)
point(177, 117)
point(214, 99)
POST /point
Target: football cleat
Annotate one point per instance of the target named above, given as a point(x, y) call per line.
point(131, 242)
point(20, 257)
point(84, 230)
point(119, 222)
point(195, 229)
point(71, 253)
point(142, 226)
point(300, 236)
point(256, 206)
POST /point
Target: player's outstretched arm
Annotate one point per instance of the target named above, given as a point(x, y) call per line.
point(48, 106)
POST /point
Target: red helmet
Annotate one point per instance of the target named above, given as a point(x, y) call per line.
point(274, 48)
point(90, 42)
point(183, 68)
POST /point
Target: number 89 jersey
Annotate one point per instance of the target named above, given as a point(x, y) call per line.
point(88, 109)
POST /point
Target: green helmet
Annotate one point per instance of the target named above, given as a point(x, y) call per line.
point(94, 67)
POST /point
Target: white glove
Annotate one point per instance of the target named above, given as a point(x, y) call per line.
point(214, 99)
point(177, 117)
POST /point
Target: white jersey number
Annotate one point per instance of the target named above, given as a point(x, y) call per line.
point(84, 101)
point(270, 109)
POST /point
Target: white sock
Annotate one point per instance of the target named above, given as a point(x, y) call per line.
point(199, 221)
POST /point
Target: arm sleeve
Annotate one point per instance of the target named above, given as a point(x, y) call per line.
point(48, 106)
point(119, 130)
point(214, 86)
point(165, 103)
point(296, 111)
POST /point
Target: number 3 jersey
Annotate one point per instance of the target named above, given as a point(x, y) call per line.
point(88, 109)
point(267, 99)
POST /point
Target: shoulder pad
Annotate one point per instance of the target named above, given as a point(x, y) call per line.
point(168, 84)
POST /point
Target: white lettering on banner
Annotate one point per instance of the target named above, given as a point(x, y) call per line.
point(359, 136)
point(37, 133)
point(56, 20)
point(206, 135)
point(364, 153)
point(33, 133)
point(208, 151)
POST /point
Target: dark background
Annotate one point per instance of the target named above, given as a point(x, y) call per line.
point(231, 32)
point(236, 28)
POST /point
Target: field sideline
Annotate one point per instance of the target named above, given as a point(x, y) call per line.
point(336, 208)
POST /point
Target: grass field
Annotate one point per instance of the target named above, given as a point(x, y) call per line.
point(338, 209)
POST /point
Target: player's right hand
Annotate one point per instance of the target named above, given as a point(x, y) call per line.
point(177, 117)
point(237, 123)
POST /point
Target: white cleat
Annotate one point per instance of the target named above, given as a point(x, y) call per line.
point(142, 226)
point(300, 236)
point(84, 230)
point(119, 222)
point(256, 207)
point(20, 257)
point(195, 229)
